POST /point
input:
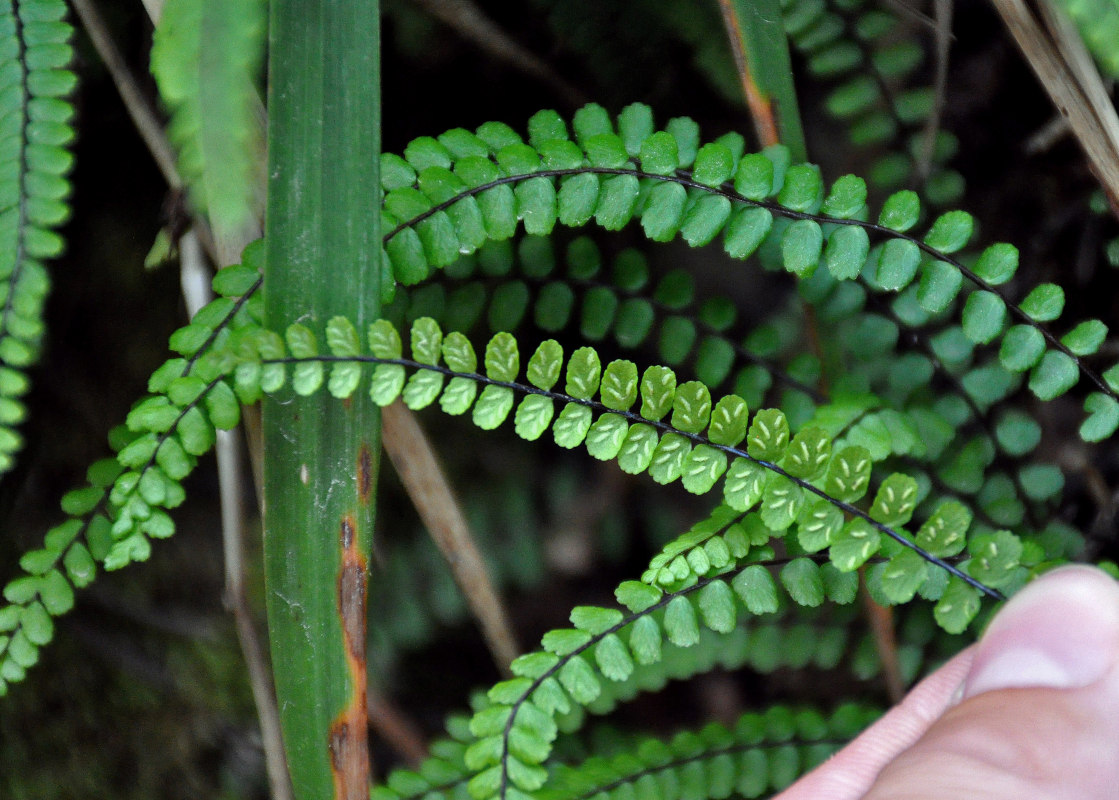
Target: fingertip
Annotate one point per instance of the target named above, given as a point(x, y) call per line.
point(1059, 632)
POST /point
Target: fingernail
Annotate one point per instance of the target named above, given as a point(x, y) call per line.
point(1059, 632)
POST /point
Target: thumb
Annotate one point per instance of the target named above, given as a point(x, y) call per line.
point(1038, 715)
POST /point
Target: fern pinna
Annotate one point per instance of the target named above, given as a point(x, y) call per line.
point(925, 492)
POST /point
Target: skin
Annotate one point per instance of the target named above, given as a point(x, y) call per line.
point(1030, 711)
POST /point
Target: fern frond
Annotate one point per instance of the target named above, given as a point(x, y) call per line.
point(577, 290)
point(857, 46)
point(514, 735)
point(759, 202)
point(206, 59)
point(763, 751)
point(507, 287)
point(35, 125)
point(918, 434)
point(678, 433)
point(657, 649)
point(125, 505)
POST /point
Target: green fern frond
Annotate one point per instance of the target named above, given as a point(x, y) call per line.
point(678, 433)
point(125, 505)
point(35, 125)
point(759, 202)
point(999, 497)
point(856, 45)
point(576, 290)
point(622, 301)
point(763, 751)
point(206, 59)
point(605, 648)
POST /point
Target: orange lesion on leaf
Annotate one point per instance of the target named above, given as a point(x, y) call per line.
point(349, 747)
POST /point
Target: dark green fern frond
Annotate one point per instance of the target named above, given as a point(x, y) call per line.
point(576, 293)
point(857, 46)
point(206, 59)
point(606, 652)
point(579, 292)
point(35, 127)
point(762, 752)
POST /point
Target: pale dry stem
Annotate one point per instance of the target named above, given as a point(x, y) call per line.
point(414, 459)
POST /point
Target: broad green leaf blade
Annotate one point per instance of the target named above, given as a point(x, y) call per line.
point(321, 454)
point(758, 34)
